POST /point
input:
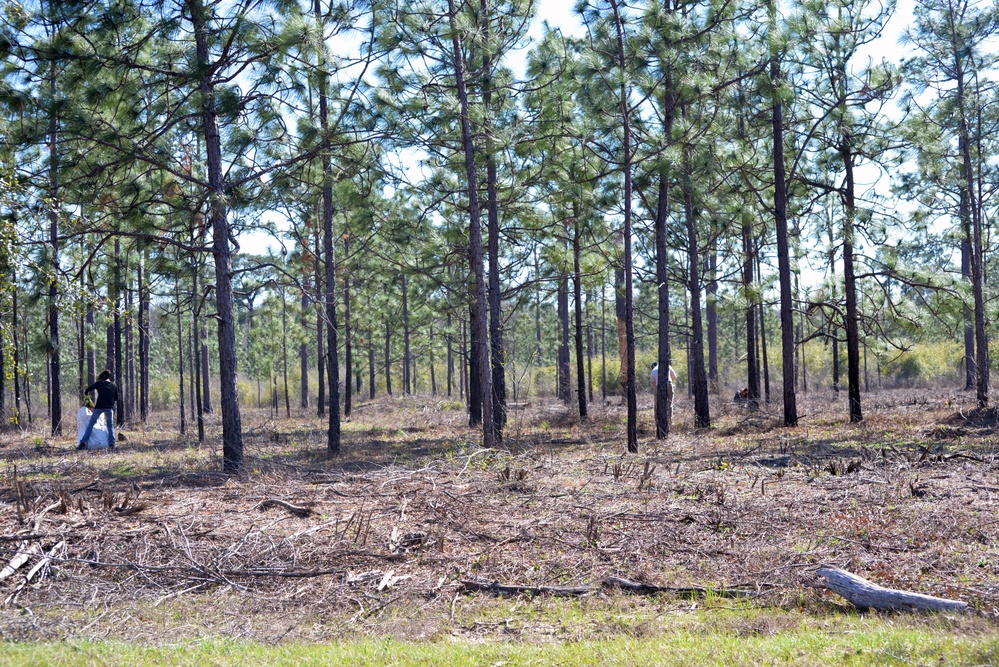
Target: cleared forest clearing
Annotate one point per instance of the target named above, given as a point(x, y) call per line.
point(151, 544)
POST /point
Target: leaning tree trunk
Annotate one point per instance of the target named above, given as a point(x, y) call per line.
point(232, 429)
point(490, 438)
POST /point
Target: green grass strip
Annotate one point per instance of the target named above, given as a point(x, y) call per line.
point(889, 646)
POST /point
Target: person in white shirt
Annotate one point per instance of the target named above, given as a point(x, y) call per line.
point(669, 390)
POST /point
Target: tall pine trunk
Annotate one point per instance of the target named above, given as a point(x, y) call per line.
point(477, 277)
point(564, 390)
point(497, 356)
point(348, 339)
point(332, 347)
point(577, 284)
point(628, 364)
point(850, 285)
point(748, 270)
point(303, 352)
point(663, 411)
point(232, 429)
point(783, 251)
point(388, 358)
point(407, 354)
point(711, 313)
point(699, 376)
point(970, 373)
point(55, 392)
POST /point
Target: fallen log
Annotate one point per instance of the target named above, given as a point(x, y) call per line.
point(294, 509)
point(690, 591)
point(512, 589)
point(866, 595)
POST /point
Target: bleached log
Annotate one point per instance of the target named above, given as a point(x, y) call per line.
point(19, 559)
point(866, 595)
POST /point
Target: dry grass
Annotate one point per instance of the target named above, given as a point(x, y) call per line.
point(151, 539)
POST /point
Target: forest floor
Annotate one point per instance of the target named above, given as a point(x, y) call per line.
point(151, 543)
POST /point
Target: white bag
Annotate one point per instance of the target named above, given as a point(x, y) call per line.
point(99, 436)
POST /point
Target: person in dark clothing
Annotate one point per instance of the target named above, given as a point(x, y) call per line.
point(107, 398)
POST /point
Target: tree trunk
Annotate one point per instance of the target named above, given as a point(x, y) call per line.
point(763, 335)
point(699, 376)
point(850, 285)
point(180, 358)
point(143, 340)
point(970, 374)
point(577, 280)
point(564, 389)
point(119, 369)
point(388, 358)
point(537, 307)
point(450, 355)
point(55, 394)
point(663, 399)
point(473, 382)
point(407, 380)
point(195, 316)
point(284, 353)
point(92, 332)
point(490, 438)
point(711, 313)
point(206, 374)
point(430, 350)
point(603, 340)
point(748, 270)
point(232, 429)
point(348, 338)
point(629, 324)
point(131, 393)
point(303, 352)
point(977, 247)
point(783, 253)
point(463, 366)
point(497, 357)
point(320, 340)
point(371, 364)
point(332, 348)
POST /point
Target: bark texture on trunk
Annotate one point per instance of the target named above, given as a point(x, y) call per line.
point(490, 438)
point(232, 430)
point(783, 254)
